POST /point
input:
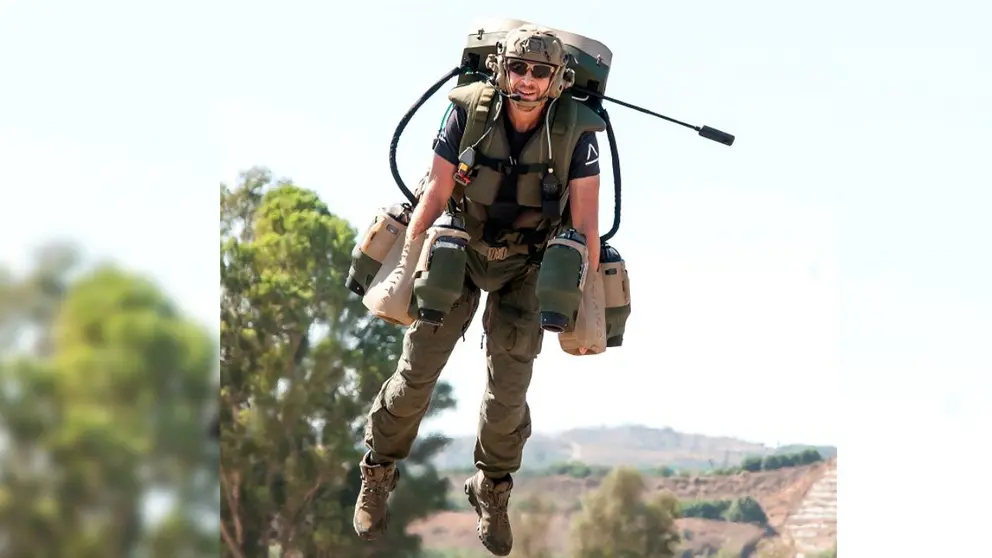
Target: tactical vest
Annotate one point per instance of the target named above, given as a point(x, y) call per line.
point(570, 119)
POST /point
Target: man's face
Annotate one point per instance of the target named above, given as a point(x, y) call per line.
point(529, 79)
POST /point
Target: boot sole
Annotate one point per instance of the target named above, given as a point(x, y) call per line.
point(371, 535)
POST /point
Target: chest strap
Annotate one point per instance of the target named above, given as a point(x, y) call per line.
point(511, 166)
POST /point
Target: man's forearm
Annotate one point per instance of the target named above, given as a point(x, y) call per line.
point(428, 209)
point(585, 214)
point(437, 191)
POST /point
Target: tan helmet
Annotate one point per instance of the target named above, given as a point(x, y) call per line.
point(533, 44)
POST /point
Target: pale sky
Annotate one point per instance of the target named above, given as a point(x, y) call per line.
point(835, 260)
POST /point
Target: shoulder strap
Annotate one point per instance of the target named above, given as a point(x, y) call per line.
point(572, 119)
point(476, 99)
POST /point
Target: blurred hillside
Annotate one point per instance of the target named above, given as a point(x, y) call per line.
point(633, 446)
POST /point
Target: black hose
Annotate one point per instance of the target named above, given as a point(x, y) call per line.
point(615, 156)
point(406, 120)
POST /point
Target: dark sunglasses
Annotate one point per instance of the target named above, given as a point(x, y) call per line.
point(539, 71)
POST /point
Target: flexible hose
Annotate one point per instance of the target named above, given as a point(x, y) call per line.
point(402, 126)
point(615, 156)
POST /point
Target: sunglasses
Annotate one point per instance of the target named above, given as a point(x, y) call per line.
point(520, 68)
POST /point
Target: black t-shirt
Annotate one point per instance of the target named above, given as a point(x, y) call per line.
point(585, 160)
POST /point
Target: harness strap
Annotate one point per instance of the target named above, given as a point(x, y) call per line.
point(508, 167)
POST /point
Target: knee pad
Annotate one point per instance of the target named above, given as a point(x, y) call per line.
point(616, 290)
point(440, 271)
point(387, 230)
point(560, 280)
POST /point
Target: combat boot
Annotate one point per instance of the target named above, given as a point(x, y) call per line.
point(371, 512)
point(491, 500)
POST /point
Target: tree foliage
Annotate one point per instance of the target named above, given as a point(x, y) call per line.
point(301, 360)
point(741, 510)
point(776, 461)
point(616, 521)
point(105, 390)
point(532, 524)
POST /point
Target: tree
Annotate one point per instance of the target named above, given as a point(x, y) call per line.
point(746, 510)
point(616, 521)
point(809, 455)
point(102, 403)
point(531, 521)
point(752, 463)
point(301, 359)
point(704, 509)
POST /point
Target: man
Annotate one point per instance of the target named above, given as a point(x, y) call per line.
point(531, 73)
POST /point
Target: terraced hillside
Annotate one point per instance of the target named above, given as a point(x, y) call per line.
point(796, 500)
point(812, 527)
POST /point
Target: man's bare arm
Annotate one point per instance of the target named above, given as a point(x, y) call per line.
point(584, 201)
point(437, 192)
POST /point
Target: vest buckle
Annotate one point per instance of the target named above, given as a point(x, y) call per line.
point(496, 253)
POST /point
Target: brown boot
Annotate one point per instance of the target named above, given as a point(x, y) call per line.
point(490, 500)
point(371, 513)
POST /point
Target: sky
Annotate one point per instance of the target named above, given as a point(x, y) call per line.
point(830, 269)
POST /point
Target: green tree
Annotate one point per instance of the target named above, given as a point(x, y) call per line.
point(808, 456)
point(617, 522)
point(301, 359)
point(105, 389)
point(746, 510)
point(752, 463)
point(704, 509)
point(771, 462)
point(532, 523)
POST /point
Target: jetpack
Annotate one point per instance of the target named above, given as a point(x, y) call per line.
point(395, 277)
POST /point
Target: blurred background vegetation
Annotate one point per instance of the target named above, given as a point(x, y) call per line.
point(106, 391)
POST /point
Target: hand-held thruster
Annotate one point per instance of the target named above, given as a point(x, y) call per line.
point(440, 274)
point(387, 228)
point(560, 280)
point(616, 291)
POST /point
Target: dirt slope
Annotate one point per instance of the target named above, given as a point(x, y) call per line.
point(779, 492)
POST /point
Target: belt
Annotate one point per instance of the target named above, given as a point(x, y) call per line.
point(498, 252)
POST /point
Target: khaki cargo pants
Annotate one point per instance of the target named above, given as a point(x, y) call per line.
point(514, 336)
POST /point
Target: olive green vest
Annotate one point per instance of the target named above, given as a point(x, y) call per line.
point(570, 119)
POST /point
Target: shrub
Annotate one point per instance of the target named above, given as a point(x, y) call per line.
point(752, 463)
point(746, 510)
point(742, 510)
point(809, 456)
point(704, 509)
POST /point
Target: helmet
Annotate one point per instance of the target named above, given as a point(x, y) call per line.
point(533, 44)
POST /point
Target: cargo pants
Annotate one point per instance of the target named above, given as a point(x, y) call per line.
point(511, 321)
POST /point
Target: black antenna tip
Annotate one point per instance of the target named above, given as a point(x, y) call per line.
point(716, 135)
